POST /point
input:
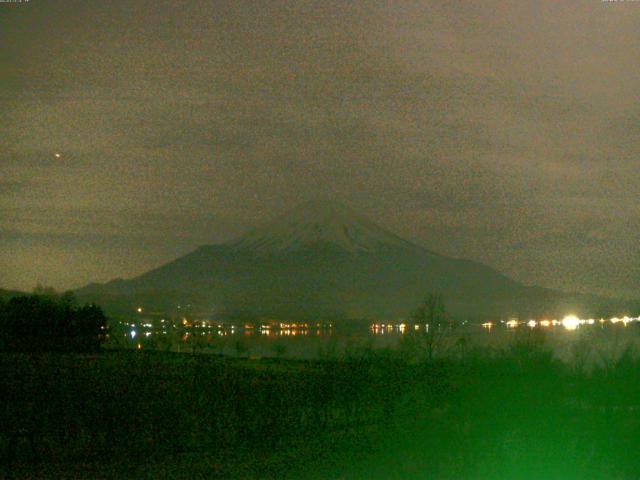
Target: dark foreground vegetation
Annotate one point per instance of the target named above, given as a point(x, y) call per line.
point(516, 414)
point(46, 321)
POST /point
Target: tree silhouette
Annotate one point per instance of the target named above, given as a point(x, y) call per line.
point(45, 320)
point(240, 347)
point(431, 317)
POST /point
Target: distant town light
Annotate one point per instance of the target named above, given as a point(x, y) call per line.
point(532, 323)
point(139, 310)
point(570, 322)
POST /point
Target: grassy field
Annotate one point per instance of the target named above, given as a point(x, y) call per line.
point(517, 414)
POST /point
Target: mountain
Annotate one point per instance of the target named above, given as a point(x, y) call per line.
point(328, 223)
point(322, 260)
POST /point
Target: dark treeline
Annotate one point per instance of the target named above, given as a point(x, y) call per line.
point(47, 321)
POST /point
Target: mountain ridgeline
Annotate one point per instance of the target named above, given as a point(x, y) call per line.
point(323, 260)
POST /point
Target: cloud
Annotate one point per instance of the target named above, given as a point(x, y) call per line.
point(12, 186)
point(503, 131)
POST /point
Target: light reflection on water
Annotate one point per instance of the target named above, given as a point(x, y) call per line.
point(302, 340)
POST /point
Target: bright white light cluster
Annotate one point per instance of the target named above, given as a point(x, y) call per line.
point(570, 322)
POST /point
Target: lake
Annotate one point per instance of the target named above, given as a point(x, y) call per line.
point(570, 339)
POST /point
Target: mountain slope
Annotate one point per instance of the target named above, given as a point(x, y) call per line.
point(323, 259)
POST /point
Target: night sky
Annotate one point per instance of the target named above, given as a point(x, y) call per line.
point(502, 131)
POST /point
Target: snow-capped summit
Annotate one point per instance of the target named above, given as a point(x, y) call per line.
point(321, 222)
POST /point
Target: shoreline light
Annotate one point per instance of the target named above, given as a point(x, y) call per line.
point(571, 322)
